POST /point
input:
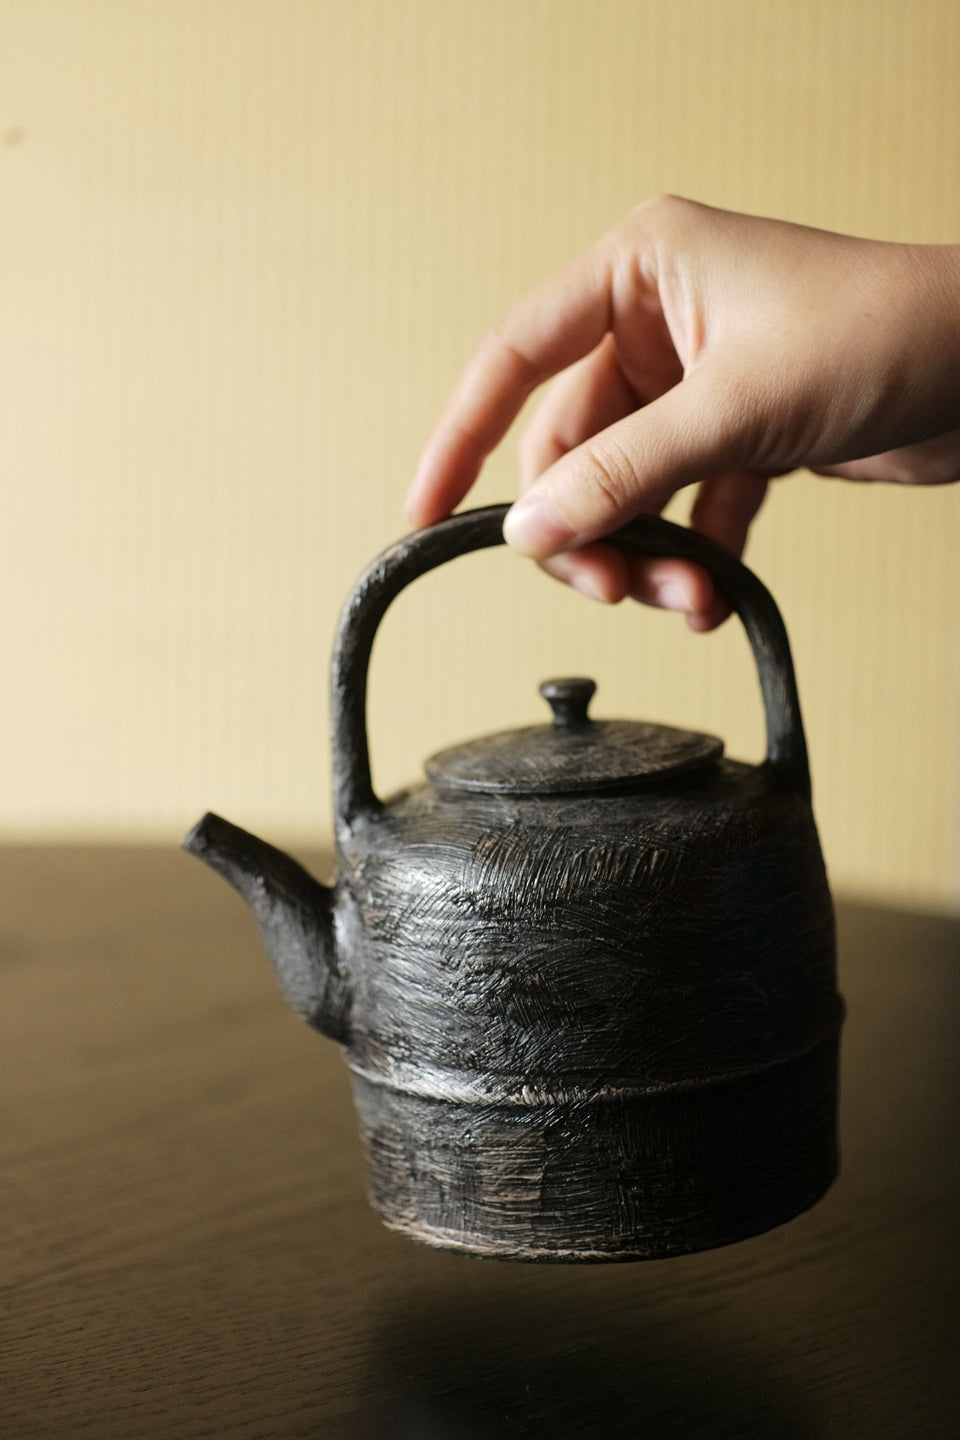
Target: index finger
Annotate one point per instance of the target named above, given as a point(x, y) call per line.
point(556, 324)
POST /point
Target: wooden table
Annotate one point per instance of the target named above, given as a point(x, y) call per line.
point(186, 1250)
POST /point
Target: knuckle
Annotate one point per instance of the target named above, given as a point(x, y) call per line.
point(609, 474)
point(663, 213)
point(500, 340)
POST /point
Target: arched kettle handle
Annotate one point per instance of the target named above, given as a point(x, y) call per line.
point(481, 529)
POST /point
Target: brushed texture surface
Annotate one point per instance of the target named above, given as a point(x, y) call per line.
point(610, 1033)
point(594, 1024)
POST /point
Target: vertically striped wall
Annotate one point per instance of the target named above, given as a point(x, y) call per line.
point(244, 247)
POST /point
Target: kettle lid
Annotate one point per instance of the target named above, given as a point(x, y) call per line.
point(575, 753)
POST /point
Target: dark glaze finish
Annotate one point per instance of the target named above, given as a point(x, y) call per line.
point(580, 1027)
point(573, 755)
point(600, 1035)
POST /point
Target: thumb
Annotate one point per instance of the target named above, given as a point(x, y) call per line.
point(697, 429)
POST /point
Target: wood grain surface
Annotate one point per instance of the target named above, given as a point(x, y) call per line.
point(186, 1249)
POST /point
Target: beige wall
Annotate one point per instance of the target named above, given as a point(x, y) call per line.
point(244, 247)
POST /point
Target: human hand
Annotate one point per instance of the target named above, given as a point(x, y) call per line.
point(697, 346)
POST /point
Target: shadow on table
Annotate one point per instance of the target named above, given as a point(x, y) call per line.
point(493, 1367)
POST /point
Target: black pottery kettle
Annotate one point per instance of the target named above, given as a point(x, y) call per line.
point(584, 974)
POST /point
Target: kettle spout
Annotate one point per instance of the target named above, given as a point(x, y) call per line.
point(294, 914)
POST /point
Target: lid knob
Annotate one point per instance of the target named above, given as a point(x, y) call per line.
point(568, 699)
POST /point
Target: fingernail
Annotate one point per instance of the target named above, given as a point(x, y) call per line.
point(534, 528)
point(671, 596)
point(585, 585)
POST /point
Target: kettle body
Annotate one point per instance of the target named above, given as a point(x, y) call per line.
point(589, 1015)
